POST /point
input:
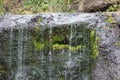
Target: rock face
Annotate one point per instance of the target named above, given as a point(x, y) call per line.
point(107, 65)
point(96, 5)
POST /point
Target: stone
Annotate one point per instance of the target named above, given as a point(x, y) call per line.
point(107, 66)
point(96, 5)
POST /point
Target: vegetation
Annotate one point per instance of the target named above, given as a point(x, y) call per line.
point(1, 8)
point(38, 6)
point(114, 7)
point(38, 42)
point(94, 44)
point(34, 6)
point(110, 20)
point(65, 46)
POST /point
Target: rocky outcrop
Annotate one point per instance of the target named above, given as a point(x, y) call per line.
point(107, 65)
point(108, 61)
point(96, 5)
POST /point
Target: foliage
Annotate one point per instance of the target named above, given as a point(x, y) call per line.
point(94, 44)
point(1, 8)
point(116, 44)
point(110, 20)
point(114, 7)
point(38, 46)
point(35, 6)
point(58, 38)
point(66, 46)
point(38, 6)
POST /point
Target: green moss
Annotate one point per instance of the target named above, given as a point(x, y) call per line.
point(58, 38)
point(65, 46)
point(38, 46)
point(110, 19)
point(114, 7)
point(98, 39)
point(39, 20)
point(116, 44)
point(37, 29)
point(1, 11)
point(1, 8)
point(94, 45)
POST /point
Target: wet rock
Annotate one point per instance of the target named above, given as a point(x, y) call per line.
point(107, 65)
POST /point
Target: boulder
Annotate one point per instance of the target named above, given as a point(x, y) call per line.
point(107, 62)
point(96, 5)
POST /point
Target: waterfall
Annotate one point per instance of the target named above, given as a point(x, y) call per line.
point(70, 63)
point(50, 53)
point(20, 53)
point(41, 52)
point(22, 45)
point(56, 53)
point(10, 51)
point(11, 37)
point(50, 43)
point(70, 41)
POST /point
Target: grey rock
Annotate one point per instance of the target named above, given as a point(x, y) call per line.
point(108, 61)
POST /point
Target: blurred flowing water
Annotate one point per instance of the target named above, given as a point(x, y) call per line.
point(56, 53)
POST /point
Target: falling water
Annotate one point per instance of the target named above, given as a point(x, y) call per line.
point(41, 52)
point(10, 52)
point(70, 41)
point(85, 53)
point(19, 75)
point(31, 62)
point(50, 53)
point(42, 57)
point(22, 38)
point(11, 37)
point(25, 43)
point(70, 63)
point(50, 43)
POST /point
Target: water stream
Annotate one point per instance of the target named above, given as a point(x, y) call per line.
point(19, 75)
point(56, 53)
point(10, 51)
point(50, 54)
